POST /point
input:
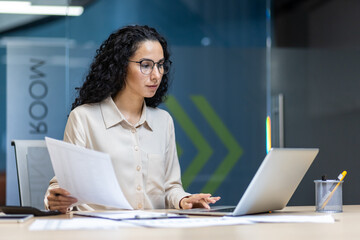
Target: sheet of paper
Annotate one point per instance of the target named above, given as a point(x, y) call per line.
point(223, 221)
point(269, 218)
point(77, 224)
point(98, 223)
point(88, 175)
point(126, 215)
point(190, 222)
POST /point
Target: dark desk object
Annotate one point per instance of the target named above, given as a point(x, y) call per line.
point(27, 210)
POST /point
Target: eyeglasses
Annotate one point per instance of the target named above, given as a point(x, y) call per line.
point(147, 66)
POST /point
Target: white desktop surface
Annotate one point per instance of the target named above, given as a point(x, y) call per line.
point(346, 226)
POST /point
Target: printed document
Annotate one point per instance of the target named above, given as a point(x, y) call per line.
point(77, 224)
point(226, 221)
point(191, 222)
point(128, 215)
point(284, 218)
point(87, 174)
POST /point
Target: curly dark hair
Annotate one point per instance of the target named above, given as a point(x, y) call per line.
point(108, 70)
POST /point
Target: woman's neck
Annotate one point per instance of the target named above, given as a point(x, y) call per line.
point(130, 106)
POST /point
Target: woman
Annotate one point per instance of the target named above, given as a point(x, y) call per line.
point(116, 112)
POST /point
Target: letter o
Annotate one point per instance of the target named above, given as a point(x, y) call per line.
point(32, 93)
point(40, 104)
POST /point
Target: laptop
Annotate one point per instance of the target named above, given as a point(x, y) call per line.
point(272, 186)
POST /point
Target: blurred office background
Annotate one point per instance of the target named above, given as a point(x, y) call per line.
point(235, 63)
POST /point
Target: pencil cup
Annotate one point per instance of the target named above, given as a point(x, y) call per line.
point(328, 196)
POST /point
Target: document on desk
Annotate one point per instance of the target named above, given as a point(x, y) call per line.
point(191, 222)
point(128, 215)
point(77, 224)
point(87, 174)
point(224, 221)
point(272, 218)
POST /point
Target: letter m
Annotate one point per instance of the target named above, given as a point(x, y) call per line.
point(34, 68)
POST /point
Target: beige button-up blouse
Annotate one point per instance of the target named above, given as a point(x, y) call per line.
point(144, 156)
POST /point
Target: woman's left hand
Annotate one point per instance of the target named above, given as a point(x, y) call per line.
point(200, 200)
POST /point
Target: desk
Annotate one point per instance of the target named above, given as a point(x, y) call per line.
point(347, 226)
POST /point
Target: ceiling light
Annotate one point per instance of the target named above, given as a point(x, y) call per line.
point(25, 7)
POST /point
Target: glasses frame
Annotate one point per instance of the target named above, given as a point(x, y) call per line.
point(154, 63)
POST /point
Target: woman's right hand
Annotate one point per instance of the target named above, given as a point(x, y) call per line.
point(59, 199)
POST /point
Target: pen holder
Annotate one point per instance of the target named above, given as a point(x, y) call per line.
point(328, 196)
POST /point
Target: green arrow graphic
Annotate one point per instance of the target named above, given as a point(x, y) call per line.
point(235, 151)
point(204, 149)
point(179, 150)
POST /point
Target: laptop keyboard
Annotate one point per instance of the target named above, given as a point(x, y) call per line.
point(213, 209)
point(230, 209)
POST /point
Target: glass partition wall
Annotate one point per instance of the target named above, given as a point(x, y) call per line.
point(34, 80)
point(218, 95)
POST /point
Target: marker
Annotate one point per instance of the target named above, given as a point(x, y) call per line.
point(332, 190)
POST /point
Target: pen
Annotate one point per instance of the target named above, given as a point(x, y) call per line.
point(332, 190)
point(150, 216)
point(162, 216)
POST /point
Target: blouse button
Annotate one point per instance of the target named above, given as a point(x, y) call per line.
point(138, 168)
point(138, 188)
point(140, 206)
point(136, 148)
point(133, 130)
